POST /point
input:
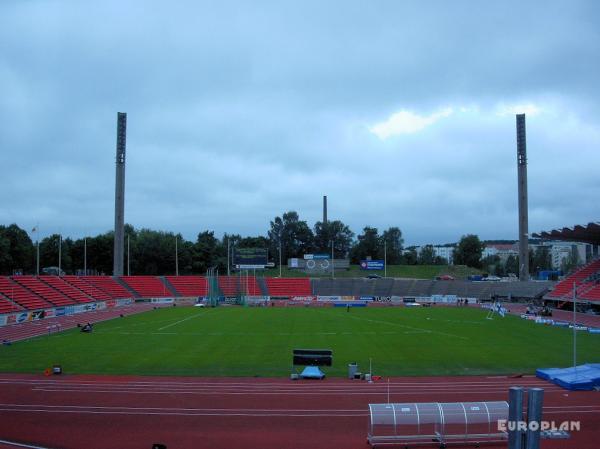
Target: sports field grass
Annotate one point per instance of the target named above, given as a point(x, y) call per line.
point(237, 341)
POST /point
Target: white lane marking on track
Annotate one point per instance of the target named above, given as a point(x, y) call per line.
point(271, 410)
point(180, 321)
point(255, 415)
point(533, 381)
point(28, 446)
point(211, 392)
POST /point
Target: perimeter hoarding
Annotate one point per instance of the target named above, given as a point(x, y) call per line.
point(372, 264)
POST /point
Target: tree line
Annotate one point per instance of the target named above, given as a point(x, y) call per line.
point(153, 252)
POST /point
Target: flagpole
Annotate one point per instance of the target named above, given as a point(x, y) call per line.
point(37, 241)
point(385, 258)
point(574, 325)
point(176, 259)
point(85, 256)
point(59, 253)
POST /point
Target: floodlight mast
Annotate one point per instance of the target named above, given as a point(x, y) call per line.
point(119, 245)
point(523, 206)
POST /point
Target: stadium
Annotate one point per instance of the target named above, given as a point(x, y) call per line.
point(300, 337)
point(242, 360)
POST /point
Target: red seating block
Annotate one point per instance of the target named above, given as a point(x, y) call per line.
point(189, 285)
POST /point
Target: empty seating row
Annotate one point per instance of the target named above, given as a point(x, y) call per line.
point(21, 296)
point(189, 285)
point(565, 287)
point(239, 285)
point(108, 285)
point(7, 306)
point(66, 289)
point(593, 294)
point(147, 286)
point(90, 290)
point(43, 290)
point(287, 287)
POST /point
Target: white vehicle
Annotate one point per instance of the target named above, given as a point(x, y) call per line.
point(492, 278)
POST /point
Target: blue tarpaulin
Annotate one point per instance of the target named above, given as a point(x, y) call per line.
point(312, 372)
point(582, 377)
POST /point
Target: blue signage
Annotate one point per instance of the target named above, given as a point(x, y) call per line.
point(371, 264)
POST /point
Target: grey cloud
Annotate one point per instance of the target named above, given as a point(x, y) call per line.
point(239, 111)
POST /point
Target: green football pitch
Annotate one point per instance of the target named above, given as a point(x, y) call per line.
point(239, 341)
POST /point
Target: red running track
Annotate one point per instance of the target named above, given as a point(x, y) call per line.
point(99, 412)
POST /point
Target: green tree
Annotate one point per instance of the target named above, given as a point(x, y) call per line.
point(17, 250)
point(206, 252)
point(295, 236)
point(469, 251)
point(393, 243)
point(337, 231)
point(369, 244)
point(49, 252)
point(493, 265)
point(410, 256)
point(512, 265)
point(427, 255)
point(542, 259)
point(153, 253)
point(5, 259)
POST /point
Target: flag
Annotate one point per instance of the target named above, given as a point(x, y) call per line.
point(34, 229)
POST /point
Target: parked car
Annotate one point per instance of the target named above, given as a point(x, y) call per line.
point(373, 276)
point(444, 277)
point(491, 278)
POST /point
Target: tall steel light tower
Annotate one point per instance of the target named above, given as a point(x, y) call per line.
point(324, 209)
point(523, 214)
point(120, 195)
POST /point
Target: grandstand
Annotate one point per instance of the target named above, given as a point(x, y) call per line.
point(234, 285)
point(147, 286)
point(90, 290)
point(188, 285)
point(587, 278)
point(586, 281)
point(66, 289)
point(7, 306)
point(109, 286)
point(287, 287)
point(43, 290)
point(422, 288)
point(21, 296)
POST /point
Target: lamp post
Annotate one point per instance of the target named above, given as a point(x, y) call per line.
point(176, 258)
point(280, 254)
point(59, 253)
point(85, 256)
point(332, 261)
point(228, 250)
point(127, 254)
point(574, 325)
point(385, 258)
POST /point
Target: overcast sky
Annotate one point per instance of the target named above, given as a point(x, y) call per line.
point(403, 113)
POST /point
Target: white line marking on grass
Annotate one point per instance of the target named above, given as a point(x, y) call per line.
point(180, 321)
point(428, 331)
